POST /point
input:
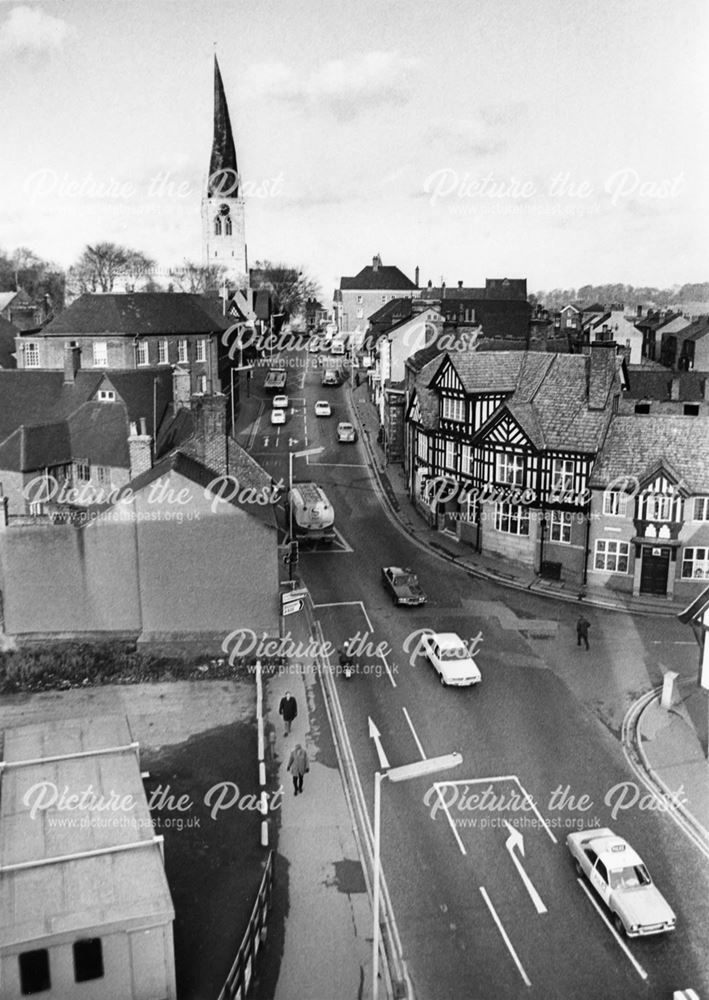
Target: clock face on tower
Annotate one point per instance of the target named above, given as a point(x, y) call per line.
point(223, 209)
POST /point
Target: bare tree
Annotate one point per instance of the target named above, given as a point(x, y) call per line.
point(100, 265)
point(290, 287)
point(197, 279)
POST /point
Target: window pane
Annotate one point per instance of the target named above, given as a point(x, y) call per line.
point(34, 972)
point(88, 960)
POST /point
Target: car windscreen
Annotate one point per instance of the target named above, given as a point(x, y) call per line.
point(454, 653)
point(630, 877)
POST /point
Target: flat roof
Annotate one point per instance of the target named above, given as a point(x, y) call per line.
point(77, 846)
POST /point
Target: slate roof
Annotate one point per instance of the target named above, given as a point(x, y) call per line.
point(493, 372)
point(135, 314)
point(6, 299)
point(389, 278)
point(393, 308)
point(635, 445)
point(650, 384)
point(8, 332)
point(698, 328)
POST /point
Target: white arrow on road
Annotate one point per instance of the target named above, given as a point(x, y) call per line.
point(292, 441)
point(516, 839)
point(376, 736)
point(265, 442)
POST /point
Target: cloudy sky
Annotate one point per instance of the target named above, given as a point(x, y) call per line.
point(562, 140)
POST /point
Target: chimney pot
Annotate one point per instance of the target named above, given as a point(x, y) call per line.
point(133, 429)
point(416, 276)
point(143, 426)
point(460, 284)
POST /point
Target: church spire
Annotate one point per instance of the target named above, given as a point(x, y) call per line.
point(223, 171)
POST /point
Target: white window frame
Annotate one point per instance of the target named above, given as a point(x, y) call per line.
point(615, 503)
point(561, 478)
point(80, 466)
point(142, 355)
point(449, 455)
point(201, 350)
point(163, 352)
point(700, 509)
point(103, 475)
point(610, 551)
point(699, 563)
point(422, 446)
point(560, 522)
point(453, 408)
point(202, 384)
point(466, 459)
point(100, 353)
point(360, 300)
point(658, 506)
point(31, 355)
point(511, 518)
point(106, 396)
point(509, 468)
point(182, 355)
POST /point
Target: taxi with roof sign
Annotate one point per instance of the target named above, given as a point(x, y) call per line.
point(617, 874)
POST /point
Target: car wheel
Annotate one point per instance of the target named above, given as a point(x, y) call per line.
point(577, 866)
point(618, 924)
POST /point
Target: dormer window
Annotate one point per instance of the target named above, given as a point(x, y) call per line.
point(106, 396)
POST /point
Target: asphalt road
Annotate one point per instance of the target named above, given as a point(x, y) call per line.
point(476, 917)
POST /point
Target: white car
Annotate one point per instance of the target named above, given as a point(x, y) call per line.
point(622, 881)
point(450, 658)
point(278, 416)
point(323, 408)
point(280, 402)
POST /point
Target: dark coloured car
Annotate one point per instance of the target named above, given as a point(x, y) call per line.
point(403, 585)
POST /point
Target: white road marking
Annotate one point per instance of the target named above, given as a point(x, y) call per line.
point(340, 465)
point(438, 785)
point(508, 777)
point(505, 938)
point(516, 839)
point(370, 627)
point(414, 734)
point(636, 965)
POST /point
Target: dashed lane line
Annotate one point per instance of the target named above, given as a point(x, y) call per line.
point(636, 965)
point(505, 938)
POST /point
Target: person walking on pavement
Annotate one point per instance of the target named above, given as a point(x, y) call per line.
point(298, 766)
point(288, 708)
point(582, 627)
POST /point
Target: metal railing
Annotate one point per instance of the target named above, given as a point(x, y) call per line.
point(241, 973)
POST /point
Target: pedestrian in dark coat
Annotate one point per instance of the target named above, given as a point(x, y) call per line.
point(288, 708)
point(298, 766)
point(582, 627)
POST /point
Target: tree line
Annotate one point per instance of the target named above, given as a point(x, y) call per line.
point(107, 267)
point(627, 296)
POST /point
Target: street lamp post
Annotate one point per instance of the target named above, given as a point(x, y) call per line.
point(405, 773)
point(291, 456)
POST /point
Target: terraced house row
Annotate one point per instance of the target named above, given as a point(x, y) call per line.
point(548, 459)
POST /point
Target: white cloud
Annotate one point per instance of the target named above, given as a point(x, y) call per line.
point(344, 87)
point(26, 31)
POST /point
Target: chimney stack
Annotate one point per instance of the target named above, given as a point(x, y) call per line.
point(639, 312)
point(140, 449)
point(416, 276)
point(376, 262)
point(181, 388)
point(460, 284)
point(72, 363)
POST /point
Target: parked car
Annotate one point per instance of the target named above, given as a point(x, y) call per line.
point(280, 402)
point(323, 408)
point(278, 416)
point(620, 878)
point(403, 585)
point(346, 433)
point(450, 658)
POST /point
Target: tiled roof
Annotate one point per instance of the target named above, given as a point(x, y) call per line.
point(636, 444)
point(137, 314)
point(496, 371)
point(41, 397)
point(390, 278)
point(6, 298)
point(96, 432)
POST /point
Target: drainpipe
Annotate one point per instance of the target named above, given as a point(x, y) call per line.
point(542, 531)
point(585, 548)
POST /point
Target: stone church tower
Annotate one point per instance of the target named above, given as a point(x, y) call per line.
point(223, 233)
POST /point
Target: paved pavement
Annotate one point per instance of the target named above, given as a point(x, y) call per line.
point(327, 934)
